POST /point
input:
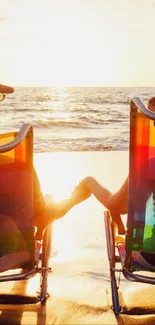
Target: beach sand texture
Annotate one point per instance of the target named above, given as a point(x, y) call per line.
point(79, 286)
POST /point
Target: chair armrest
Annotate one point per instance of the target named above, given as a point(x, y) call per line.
point(142, 108)
point(25, 128)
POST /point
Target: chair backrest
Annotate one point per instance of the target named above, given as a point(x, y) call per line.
point(141, 208)
point(16, 184)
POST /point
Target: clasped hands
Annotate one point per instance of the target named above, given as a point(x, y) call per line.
point(81, 192)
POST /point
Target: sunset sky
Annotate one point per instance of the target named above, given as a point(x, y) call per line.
point(77, 42)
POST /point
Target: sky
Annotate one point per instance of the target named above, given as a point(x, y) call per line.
point(77, 42)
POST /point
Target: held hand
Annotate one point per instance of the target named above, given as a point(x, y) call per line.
point(80, 193)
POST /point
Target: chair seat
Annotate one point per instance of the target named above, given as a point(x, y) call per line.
point(138, 262)
point(14, 260)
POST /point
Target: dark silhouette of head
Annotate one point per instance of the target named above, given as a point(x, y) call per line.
point(151, 104)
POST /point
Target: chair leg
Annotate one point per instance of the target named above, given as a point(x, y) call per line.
point(114, 291)
point(46, 252)
point(112, 260)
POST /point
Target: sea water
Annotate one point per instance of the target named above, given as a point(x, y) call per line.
point(73, 119)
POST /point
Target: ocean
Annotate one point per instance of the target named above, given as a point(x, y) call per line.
point(73, 118)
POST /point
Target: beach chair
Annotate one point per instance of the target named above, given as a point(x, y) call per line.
point(139, 233)
point(16, 156)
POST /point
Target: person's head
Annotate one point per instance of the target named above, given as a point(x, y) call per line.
point(5, 90)
point(151, 104)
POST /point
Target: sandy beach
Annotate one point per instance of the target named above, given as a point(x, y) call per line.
point(79, 286)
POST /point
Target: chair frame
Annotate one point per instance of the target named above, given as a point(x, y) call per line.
point(113, 225)
point(44, 238)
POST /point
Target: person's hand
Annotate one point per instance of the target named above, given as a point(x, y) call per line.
point(80, 193)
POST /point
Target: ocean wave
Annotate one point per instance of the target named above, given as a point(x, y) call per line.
point(56, 123)
point(108, 101)
point(32, 109)
point(21, 110)
point(64, 125)
point(84, 110)
point(44, 98)
point(70, 147)
point(77, 122)
point(82, 144)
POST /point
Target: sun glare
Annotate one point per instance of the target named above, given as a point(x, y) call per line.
point(84, 43)
point(59, 173)
point(61, 177)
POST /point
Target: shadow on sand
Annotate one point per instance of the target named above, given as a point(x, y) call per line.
point(58, 311)
point(14, 314)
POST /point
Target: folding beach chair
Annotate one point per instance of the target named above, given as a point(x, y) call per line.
point(17, 219)
point(139, 235)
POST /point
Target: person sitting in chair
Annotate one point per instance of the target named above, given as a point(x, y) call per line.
point(117, 202)
point(13, 252)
